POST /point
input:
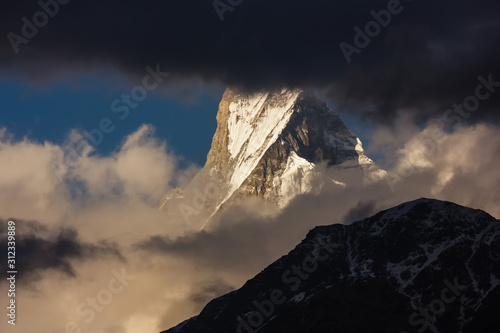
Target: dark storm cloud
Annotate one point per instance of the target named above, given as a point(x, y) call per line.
point(428, 56)
point(211, 249)
point(38, 249)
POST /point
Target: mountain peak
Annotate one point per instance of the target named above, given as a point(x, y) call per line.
point(274, 139)
point(269, 143)
point(432, 215)
point(424, 265)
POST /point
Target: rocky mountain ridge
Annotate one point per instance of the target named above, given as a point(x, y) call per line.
point(422, 266)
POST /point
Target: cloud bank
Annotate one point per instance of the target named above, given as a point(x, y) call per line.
point(99, 219)
point(424, 54)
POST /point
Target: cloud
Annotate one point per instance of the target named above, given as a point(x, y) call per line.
point(57, 252)
point(425, 57)
point(27, 172)
point(178, 269)
point(196, 300)
point(140, 168)
point(459, 168)
point(209, 291)
point(75, 228)
point(360, 211)
point(54, 186)
point(460, 164)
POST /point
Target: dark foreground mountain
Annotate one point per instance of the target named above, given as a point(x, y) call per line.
point(423, 266)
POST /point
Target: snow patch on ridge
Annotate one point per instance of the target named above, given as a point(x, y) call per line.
point(296, 179)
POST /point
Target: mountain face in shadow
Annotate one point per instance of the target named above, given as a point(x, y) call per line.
point(422, 266)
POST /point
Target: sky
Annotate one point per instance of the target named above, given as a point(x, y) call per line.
point(82, 101)
point(421, 88)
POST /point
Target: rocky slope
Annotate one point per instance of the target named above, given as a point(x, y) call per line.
point(423, 266)
point(269, 144)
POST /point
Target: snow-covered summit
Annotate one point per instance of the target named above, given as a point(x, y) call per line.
point(269, 144)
